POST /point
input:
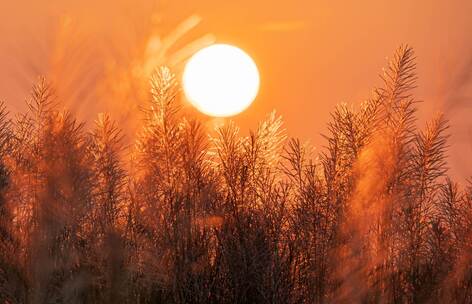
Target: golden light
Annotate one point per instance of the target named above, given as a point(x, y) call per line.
point(221, 80)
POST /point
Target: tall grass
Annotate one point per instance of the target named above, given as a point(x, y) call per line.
point(183, 217)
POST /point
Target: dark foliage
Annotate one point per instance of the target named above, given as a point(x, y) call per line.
point(181, 217)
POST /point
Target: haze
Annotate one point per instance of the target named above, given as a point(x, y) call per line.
point(312, 55)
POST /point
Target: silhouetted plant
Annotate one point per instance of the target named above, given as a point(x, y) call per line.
point(183, 217)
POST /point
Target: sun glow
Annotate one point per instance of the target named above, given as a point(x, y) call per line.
point(221, 80)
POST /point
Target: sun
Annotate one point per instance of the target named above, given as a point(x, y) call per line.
point(221, 80)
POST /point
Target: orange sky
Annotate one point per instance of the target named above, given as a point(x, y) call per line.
point(311, 54)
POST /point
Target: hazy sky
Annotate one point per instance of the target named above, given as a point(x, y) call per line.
point(311, 54)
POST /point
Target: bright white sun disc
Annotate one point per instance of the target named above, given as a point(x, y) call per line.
point(221, 80)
